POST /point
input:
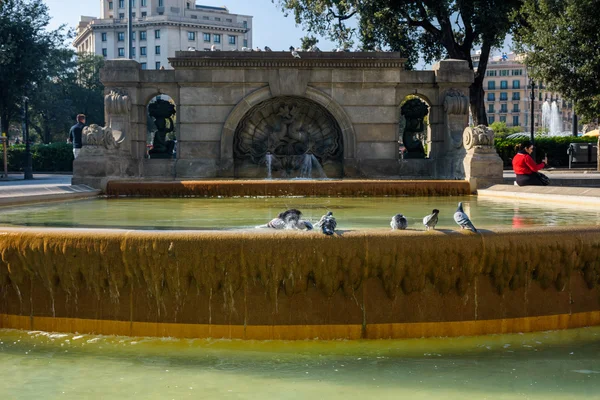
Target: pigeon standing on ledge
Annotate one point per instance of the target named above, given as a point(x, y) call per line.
point(267, 48)
point(327, 223)
point(463, 220)
point(431, 220)
point(399, 222)
point(295, 54)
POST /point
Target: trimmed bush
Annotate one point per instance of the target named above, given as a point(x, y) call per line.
point(555, 147)
point(53, 157)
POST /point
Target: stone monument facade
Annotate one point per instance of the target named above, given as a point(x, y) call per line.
point(233, 109)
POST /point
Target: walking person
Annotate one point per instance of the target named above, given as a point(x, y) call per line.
point(75, 134)
point(525, 167)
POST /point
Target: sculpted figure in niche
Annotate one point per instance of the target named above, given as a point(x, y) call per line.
point(414, 112)
point(162, 111)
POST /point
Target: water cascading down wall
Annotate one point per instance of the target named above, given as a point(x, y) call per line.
point(297, 285)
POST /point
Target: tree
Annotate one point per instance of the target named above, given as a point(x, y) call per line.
point(561, 39)
point(432, 29)
point(308, 41)
point(25, 46)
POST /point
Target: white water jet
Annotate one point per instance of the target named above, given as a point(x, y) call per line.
point(309, 164)
point(269, 162)
point(551, 119)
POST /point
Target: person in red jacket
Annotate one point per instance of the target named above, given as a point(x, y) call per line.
point(525, 167)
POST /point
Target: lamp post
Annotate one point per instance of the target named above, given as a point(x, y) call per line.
point(532, 97)
point(28, 167)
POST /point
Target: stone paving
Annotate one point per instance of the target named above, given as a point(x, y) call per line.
point(44, 187)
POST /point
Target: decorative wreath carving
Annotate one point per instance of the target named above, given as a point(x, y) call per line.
point(95, 135)
point(478, 136)
point(288, 128)
point(455, 102)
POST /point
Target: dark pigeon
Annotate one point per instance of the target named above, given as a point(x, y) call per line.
point(399, 222)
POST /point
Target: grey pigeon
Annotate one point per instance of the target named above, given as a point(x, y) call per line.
point(431, 220)
point(304, 225)
point(463, 220)
point(328, 226)
point(323, 218)
point(285, 220)
point(295, 54)
point(399, 222)
point(267, 48)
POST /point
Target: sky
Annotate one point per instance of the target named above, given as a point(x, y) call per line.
point(271, 27)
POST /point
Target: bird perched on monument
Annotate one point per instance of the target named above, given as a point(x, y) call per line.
point(295, 53)
point(213, 48)
point(399, 221)
point(327, 223)
point(267, 48)
point(431, 220)
point(257, 49)
point(463, 220)
point(285, 220)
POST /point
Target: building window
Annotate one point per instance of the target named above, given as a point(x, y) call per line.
point(491, 85)
point(517, 72)
point(156, 49)
point(133, 36)
point(217, 38)
point(231, 39)
point(157, 65)
point(491, 72)
point(121, 36)
point(491, 119)
point(143, 3)
point(132, 15)
point(121, 15)
point(503, 96)
point(121, 3)
point(217, 18)
point(503, 72)
point(516, 84)
point(245, 42)
point(188, 5)
point(503, 118)
point(490, 108)
point(157, 34)
point(194, 17)
point(142, 51)
point(503, 108)
point(105, 52)
point(142, 35)
point(144, 66)
point(133, 3)
point(516, 96)
point(503, 84)
point(205, 17)
point(245, 24)
point(110, 5)
point(207, 37)
point(229, 20)
point(516, 107)
point(515, 120)
point(161, 3)
point(104, 36)
point(191, 35)
point(491, 97)
point(133, 52)
point(121, 51)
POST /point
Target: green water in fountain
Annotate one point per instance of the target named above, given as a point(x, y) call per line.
point(549, 365)
point(244, 213)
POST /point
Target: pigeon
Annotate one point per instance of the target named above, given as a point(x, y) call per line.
point(329, 214)
point(213, 48)
point(295, 54)
point(399, 222)
point(191, 49)
point(285, 220)
point(431, 220)
point(267, 48)
point(328, 225)
point(463, 220)
point(314, 49)
point(247, 49)
point(257, 49)
point(304, 225)
point(292, 48)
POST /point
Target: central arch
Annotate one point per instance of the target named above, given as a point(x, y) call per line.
point(320, 102)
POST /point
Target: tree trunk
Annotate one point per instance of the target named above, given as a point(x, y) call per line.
point(477, 99)
point(5, 123)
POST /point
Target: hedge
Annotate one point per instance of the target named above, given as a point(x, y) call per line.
point(54, 157)
point(555, 147)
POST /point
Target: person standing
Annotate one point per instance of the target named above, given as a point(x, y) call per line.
point(75, 134)
point(525, 167)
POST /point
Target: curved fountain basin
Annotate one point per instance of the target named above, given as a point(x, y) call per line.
point(299, 285)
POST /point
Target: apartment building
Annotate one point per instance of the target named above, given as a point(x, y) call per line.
point(160, 28)
point(508, 98)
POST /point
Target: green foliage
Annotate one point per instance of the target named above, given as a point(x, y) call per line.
point(416, 28)
point(25, 48)
point(308, 41)
point(561, 38)
point(555, 147)
point(54, 157)
point(501, 130)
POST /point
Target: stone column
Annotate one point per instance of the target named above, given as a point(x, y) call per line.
point(482, 164)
